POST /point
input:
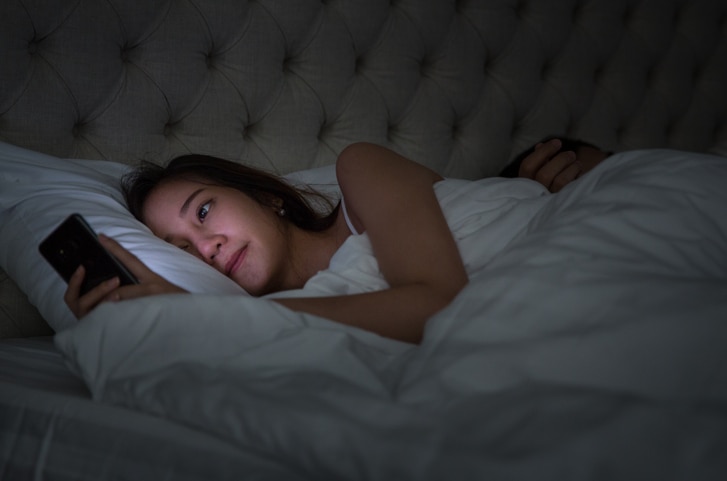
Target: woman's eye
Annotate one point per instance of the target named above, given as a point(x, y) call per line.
point(203, 211)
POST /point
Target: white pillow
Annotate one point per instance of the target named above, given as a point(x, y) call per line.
point(38, 191)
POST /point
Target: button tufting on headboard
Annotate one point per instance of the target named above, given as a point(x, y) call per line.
point(286, 84)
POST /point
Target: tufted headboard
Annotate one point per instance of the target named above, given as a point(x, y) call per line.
point(459, 85)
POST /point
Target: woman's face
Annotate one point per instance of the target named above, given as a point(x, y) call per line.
point(224, 227)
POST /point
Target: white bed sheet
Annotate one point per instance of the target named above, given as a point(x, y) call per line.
point(51, 429)
point(591, 345)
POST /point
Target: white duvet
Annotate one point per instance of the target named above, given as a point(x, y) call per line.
point(590, 343)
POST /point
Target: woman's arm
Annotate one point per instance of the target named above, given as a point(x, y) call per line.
point(393, 200)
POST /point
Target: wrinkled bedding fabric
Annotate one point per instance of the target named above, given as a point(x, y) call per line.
point(589, 344)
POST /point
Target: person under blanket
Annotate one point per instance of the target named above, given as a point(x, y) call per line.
point(264, 235)
point(555, 162)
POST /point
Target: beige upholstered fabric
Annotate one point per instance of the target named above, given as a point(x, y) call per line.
point(286, 84)
point(459, 85)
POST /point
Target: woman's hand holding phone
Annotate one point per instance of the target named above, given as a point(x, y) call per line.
point(110, 290)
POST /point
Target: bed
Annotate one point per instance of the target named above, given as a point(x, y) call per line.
point(589, 343)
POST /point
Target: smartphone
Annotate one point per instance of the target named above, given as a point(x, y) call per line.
point(74, 243)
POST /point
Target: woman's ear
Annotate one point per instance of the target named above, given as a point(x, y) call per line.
point(277, 205)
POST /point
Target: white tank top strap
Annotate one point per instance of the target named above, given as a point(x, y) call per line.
point(348, 219)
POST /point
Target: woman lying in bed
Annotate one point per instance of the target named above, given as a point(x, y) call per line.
point(264, 235)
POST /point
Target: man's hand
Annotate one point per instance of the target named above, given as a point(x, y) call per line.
point(553, 167)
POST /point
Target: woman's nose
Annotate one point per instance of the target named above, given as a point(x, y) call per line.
point(209, 247)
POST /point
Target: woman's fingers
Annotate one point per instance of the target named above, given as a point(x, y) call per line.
point(81, 305)
point(133, 263)
point(150, 283)
point(97, 295)
point(73, 290)
point(111, 289)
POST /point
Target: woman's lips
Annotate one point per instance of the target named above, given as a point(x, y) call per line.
point(235, 261)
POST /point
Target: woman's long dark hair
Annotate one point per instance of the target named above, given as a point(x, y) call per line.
point(264, 188)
